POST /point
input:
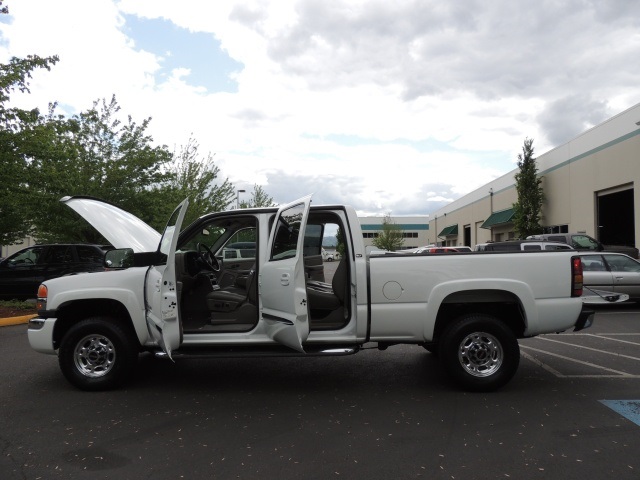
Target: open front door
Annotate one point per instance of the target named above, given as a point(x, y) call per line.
point(282, 279)
point(161, 294)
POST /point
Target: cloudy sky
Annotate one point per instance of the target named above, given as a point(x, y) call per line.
point(391, 106)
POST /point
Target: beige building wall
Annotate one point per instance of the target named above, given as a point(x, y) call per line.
point(602, 160)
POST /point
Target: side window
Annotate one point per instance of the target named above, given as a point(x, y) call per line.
point(58, 254)
point(287, 233)
point(593, 263)
point(313, 239)
point(533, 247)
point(618, 263)
point(87, 254)
point(26, 257)
point(242, 244)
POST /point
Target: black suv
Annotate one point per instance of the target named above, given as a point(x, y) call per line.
point(24, 271)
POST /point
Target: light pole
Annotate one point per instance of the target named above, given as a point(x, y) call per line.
point(238, 198)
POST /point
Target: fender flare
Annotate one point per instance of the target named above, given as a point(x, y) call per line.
point(521, 290)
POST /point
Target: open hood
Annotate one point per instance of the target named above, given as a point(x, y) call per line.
point(120, 228)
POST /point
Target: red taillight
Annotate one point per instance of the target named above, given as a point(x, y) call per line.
point(576, 277)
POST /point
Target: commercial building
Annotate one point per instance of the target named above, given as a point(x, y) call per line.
point(415, 230)
point(589, 187)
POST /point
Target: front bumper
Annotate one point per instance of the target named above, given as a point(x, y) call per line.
point(40, 334)
point(585, 320)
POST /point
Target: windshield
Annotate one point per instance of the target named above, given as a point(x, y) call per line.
point(584, 242)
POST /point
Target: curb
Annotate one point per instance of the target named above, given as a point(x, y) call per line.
point(4, 322)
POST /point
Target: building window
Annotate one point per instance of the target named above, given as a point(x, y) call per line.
point(556, 229)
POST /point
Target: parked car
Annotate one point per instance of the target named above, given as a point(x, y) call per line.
point(328, 256)
point(22, 272)
point(521, 245)
point(613, 272)
point(444, 249)
point(580, 241)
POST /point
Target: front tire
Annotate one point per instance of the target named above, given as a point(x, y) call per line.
point(98, 354)
point(480, 353)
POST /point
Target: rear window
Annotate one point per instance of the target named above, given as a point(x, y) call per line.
point(557, 247)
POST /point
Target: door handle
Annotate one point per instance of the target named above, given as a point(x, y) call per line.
point(284, 279)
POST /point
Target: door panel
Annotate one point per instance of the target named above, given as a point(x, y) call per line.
point(282, 278)
point(626, 274)
point(163, 316)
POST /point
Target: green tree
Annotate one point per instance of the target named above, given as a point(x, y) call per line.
point(197, 178)
point(391, 237)
point(20, 132)
point(527, 209)
point(95, 153)
point(341, 246)
point(259, 198)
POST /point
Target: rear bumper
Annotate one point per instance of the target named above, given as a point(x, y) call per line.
point(585, 320)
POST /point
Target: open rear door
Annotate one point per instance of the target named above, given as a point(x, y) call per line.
point(161, 295)
point(282, 278)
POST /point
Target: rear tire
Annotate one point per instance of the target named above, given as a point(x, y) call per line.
point(479, 352)
point(98, 354)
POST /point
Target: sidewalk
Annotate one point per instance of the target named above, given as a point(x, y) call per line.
point(4, 322)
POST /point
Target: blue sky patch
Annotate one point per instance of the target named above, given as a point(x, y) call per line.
point(179, 48)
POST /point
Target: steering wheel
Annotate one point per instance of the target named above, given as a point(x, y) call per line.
point(208, 258)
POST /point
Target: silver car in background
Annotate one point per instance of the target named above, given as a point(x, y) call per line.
point(613, 272)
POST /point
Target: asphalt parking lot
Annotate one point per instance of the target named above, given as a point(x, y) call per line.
point(571, 412)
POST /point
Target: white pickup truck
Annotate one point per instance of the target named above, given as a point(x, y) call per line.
point(175, 295)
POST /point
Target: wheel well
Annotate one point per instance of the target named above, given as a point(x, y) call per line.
point(505, 306)
point(71, 313)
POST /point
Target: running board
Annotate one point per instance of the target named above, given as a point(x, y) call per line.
point(258, 351)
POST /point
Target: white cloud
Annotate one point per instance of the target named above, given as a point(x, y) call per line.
point(391, 107)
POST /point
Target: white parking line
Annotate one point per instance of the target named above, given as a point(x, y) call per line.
point(618, 373)
point(540, 364)
point(619, 355)
point(601, 335)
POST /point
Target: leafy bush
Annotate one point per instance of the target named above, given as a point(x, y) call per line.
point(17, 304)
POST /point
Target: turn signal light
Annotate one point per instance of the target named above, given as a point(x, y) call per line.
point(43, 292)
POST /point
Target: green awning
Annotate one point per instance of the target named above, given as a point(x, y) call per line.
point(448, 231)
point(498, 218)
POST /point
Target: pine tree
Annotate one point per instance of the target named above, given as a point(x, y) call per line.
point(527, 209)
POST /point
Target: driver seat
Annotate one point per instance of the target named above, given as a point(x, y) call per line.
point(235, 303)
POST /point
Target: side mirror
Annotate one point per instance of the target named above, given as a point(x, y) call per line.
point(119, 258)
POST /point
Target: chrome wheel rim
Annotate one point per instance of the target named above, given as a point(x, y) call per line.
point(94, 356)
point(480, 354)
